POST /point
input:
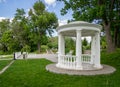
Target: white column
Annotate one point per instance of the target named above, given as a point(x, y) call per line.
point(97, 51)
point(61, 47)
point(78, 50)
point(92, 49)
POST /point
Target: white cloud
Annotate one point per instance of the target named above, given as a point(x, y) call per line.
point(50, 2)
point(2, 1)
point(2, 18)
point(11, 19)
point(62, 22)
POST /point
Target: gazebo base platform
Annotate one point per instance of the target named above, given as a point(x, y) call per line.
point(105, 70)
point(85, 66)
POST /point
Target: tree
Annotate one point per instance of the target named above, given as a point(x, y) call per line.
point(20, 28)
point(84, 42)
point(8, 40)
point(53, 42)
point(41, 22)
point(69, 45)
point(108, 11)
point(4, 26)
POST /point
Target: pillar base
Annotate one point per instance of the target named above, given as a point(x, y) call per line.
point(98, 66)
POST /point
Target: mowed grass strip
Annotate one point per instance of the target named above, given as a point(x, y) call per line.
point(4, 63)
point(32, 73)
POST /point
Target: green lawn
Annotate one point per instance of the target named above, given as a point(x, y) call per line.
point(3, 63)
point(32, 73)
point(6, 56)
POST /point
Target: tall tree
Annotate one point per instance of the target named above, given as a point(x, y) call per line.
point(20, 28)
point(41, 22)
point(106, 10)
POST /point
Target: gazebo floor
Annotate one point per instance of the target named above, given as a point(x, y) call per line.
point(88, 70)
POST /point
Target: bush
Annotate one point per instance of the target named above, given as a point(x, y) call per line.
point(26, 48)
point(43, 48)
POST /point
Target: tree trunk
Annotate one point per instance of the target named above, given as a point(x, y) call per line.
point(39, 47)
point(110, 43)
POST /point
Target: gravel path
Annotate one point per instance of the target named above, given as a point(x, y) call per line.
point(51, 57)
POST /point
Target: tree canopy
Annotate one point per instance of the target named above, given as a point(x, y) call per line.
point(42, 22)
point(107, 12)
point(27, 32)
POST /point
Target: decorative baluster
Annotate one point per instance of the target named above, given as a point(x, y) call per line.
point(71, 65)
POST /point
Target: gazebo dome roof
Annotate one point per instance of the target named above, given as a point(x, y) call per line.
point(70, 29)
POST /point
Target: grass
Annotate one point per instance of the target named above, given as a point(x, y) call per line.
point(32, 73)
point(6, 56)
point(3, 63)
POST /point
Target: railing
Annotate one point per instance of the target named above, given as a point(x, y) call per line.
point(86, 58)
point(67, 61)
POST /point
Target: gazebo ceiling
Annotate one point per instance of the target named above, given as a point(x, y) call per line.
point(88, 29)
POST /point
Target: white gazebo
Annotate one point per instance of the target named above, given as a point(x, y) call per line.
point(79, 61)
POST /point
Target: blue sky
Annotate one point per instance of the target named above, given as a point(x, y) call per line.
point(8, 7)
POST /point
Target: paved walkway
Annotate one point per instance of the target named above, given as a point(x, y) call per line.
point(51, 57)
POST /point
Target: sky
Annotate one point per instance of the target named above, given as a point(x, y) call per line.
point(8, 8)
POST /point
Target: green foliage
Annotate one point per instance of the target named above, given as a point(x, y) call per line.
point(4, 27)
point(85, 45)
point(84, 42)
point(69, 45)
point(89, 10)
point(41, 22)
point(26, 48)
point(52, 42)
point(26, 33)
point(103, 43)
point(104, 11)
point(20, 28)
point(44, 48)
